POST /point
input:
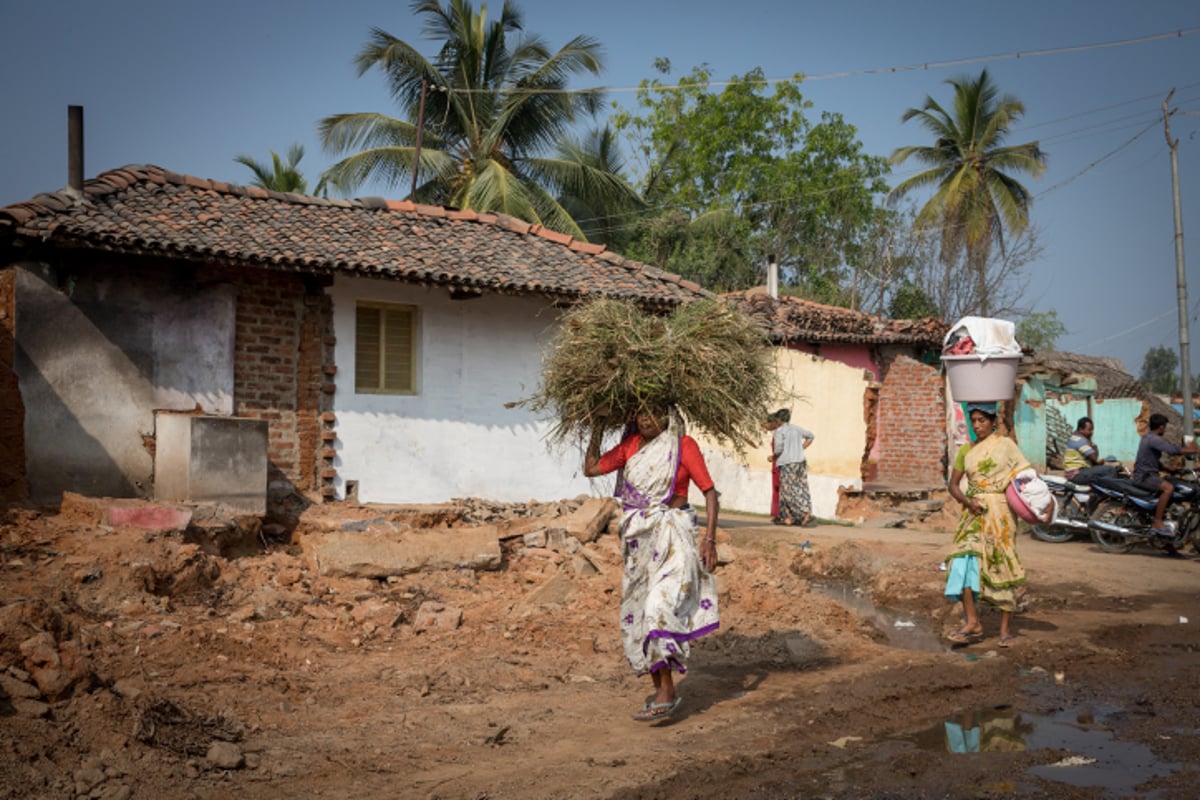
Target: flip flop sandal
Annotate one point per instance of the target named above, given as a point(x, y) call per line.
point(965, 637)
point(1007, 641)
point(653, 712)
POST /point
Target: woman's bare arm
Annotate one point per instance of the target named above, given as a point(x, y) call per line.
point(708, 542)
point(973, 505)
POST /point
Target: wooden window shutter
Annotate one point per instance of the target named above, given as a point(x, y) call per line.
point(385, 349)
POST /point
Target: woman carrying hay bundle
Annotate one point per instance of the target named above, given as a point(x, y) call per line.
point(613, 363)
point(668, 593)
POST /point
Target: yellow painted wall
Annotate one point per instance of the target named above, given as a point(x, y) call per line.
point(826, 397)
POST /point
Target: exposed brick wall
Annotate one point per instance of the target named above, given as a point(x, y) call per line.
point(912, 423)
point(280, 355)
point(12, 409)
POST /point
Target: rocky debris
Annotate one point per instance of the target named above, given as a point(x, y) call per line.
point(184, 570)
point(21, 694)
point(57, 668)
point(591, 519)
point(379, 552)
point(475, 510)
point(138, 612)
point(225, 755)
point(432, 614)
point(559, 590)
point(916, 508)
point(227, 536)
point(163, 723)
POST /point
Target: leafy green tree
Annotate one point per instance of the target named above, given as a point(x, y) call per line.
point(495, 108)
point(1160, 370)
point(910, 301)
point(976, 201)
point(802, 191)
point(711, 249)
point(1040, 330)
point(278, 176)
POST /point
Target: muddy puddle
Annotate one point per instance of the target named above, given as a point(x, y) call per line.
point(1096, 758)
point(901, 629)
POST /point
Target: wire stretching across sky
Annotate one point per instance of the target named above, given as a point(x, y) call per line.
point(1100, 127)
point(957, 62)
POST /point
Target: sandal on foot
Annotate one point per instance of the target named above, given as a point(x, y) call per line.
point(965, 636)
point(652, 712)
point(1007, 641)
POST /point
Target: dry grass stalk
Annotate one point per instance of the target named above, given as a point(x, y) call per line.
point(610, 360)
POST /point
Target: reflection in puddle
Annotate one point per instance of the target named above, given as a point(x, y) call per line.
point(902, 629)
point(1097, 758)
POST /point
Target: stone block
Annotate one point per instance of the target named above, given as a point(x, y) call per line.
point(432, 614)
point(382, 553)
point(159, 519)
point(591, 519)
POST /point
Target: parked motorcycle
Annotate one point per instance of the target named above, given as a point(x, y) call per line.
point(1070, 510)
point(1122, 513)
point(1071, 503)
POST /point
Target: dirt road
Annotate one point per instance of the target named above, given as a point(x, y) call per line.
point(137, 666)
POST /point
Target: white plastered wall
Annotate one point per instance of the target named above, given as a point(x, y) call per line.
point(825, 397)
point(454, 437)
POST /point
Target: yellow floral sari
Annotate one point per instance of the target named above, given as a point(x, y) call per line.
point(990, 465)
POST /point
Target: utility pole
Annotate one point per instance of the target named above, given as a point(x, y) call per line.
point(420, 130)
point(1185, 357)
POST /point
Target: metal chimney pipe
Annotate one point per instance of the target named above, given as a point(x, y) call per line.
point(773, 278)
point(75, 147)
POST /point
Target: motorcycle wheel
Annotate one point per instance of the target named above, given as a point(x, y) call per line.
point(1056, 534)
point(1112, 512)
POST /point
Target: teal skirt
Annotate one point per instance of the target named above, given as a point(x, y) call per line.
point(964, 574)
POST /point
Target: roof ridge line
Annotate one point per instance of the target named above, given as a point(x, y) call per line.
point(120, 179)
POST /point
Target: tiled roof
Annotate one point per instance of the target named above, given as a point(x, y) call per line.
point(1112, 381)
point(149, 211)
point(793, 320)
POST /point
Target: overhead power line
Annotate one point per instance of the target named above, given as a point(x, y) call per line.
point(928, 65)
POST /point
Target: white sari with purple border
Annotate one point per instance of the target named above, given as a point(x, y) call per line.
point(667, 597)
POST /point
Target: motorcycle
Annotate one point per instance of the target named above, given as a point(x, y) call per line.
point(1070, 510)
point(1122, 513)
point(1071, 504)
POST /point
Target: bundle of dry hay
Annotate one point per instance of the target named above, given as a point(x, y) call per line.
point(611, 360)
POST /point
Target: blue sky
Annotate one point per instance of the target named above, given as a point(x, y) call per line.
point(188, 85)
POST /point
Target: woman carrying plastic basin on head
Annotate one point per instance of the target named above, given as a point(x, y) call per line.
point(983, 562)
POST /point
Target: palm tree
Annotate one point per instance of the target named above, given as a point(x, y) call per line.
point(278, 176)
point(601, 216)
point(977, 201)
point(495, 108)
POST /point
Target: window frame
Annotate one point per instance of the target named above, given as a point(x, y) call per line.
point(383, 307)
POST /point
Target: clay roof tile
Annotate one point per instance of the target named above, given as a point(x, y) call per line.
point(127, 210)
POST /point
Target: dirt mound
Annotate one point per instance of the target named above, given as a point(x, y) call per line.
point(177, 663)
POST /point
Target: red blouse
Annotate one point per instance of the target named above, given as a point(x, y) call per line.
point(691, 463)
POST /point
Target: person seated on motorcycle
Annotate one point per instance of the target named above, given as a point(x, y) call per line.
point(1146, 467)
point(1081, 461)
